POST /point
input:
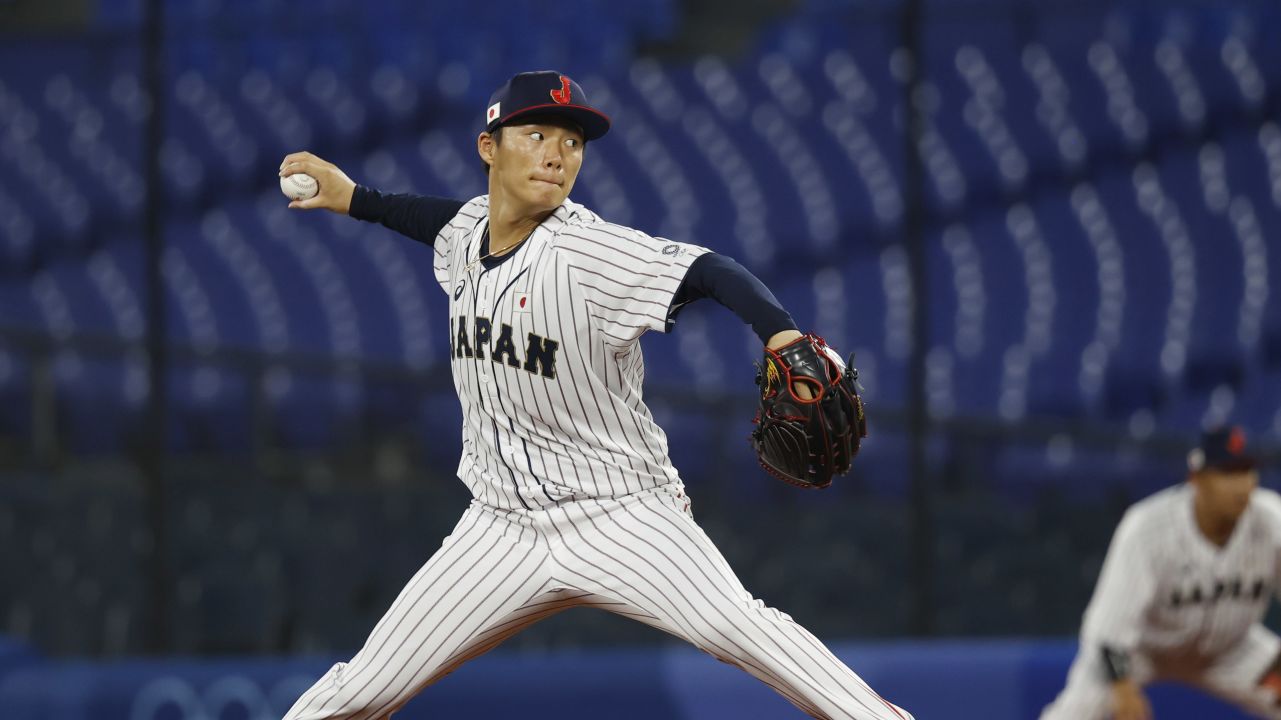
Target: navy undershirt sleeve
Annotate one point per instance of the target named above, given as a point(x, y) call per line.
point(420, 217)
point(721, 278)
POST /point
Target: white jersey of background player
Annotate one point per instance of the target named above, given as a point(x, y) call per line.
point(575, 500)
point(1181, 596)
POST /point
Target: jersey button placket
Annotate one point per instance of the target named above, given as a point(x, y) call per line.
point(483, 370)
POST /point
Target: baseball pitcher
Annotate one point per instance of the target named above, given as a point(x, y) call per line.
point(575, 502)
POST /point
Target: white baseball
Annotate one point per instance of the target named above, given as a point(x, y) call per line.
point(299, 186)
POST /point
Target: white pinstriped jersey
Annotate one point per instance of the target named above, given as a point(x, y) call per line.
point(1165, 588)
point(577, 504)
point(545, 357)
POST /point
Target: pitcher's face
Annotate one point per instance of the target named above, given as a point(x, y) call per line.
point(535, 164)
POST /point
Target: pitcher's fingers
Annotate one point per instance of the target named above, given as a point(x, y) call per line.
point(295, 167)
point(311, 167)
point(304, 158)
point(308, 204)
point(300, 156)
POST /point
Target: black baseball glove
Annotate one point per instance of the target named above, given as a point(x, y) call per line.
point(805, 441)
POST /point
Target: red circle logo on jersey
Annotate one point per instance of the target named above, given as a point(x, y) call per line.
point(522, 301)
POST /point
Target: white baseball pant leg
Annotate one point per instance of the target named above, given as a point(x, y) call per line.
point(1235, 675)
point(488, 581)
point(641, 556)
point(646, 551)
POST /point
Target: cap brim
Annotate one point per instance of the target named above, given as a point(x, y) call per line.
point(593, 122)
point(1236, 464)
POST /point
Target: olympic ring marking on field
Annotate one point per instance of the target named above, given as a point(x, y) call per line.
point(230, 691)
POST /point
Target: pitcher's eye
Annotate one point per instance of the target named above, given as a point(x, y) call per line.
point(536, 135)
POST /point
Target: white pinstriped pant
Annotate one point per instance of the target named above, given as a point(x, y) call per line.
point(641, 556)
point(1231, 677)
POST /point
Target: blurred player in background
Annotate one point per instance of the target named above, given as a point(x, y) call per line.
point(576, 503)
point(1181, 596)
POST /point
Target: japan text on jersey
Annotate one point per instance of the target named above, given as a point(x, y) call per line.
point(545, 359)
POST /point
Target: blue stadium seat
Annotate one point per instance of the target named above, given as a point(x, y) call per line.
point(100, 402)
point(1025, 474)
point(1055, 378)
point(1217, 341)
point(1135, 377)
point(1259, 407)
point(211, 410)
point(1068, 166)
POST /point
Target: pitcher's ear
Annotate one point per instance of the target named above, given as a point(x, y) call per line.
point(485, 144)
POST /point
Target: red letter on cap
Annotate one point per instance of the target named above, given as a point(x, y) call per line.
point(562, 95)
point(1236, 441)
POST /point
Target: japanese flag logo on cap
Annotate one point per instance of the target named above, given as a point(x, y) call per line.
point(493, 113)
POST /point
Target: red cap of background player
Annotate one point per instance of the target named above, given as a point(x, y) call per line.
point(545, 92)
point(1222, 448)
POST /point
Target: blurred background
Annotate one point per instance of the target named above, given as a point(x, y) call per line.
point(1048, 229)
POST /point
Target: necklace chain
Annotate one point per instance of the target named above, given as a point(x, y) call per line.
point(485, 241)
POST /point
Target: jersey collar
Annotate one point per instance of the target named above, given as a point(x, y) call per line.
point(560, 217)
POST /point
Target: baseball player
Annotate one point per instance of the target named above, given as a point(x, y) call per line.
point(1182, 593)
point(575, 502)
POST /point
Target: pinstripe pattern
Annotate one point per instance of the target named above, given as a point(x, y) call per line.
point(594, 288)
point(488, 568)
point(576, 502)
point(641, 556)
point(1183, 608)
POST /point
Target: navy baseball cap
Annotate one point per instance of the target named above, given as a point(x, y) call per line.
point(1222, 448)
point(545, 92)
